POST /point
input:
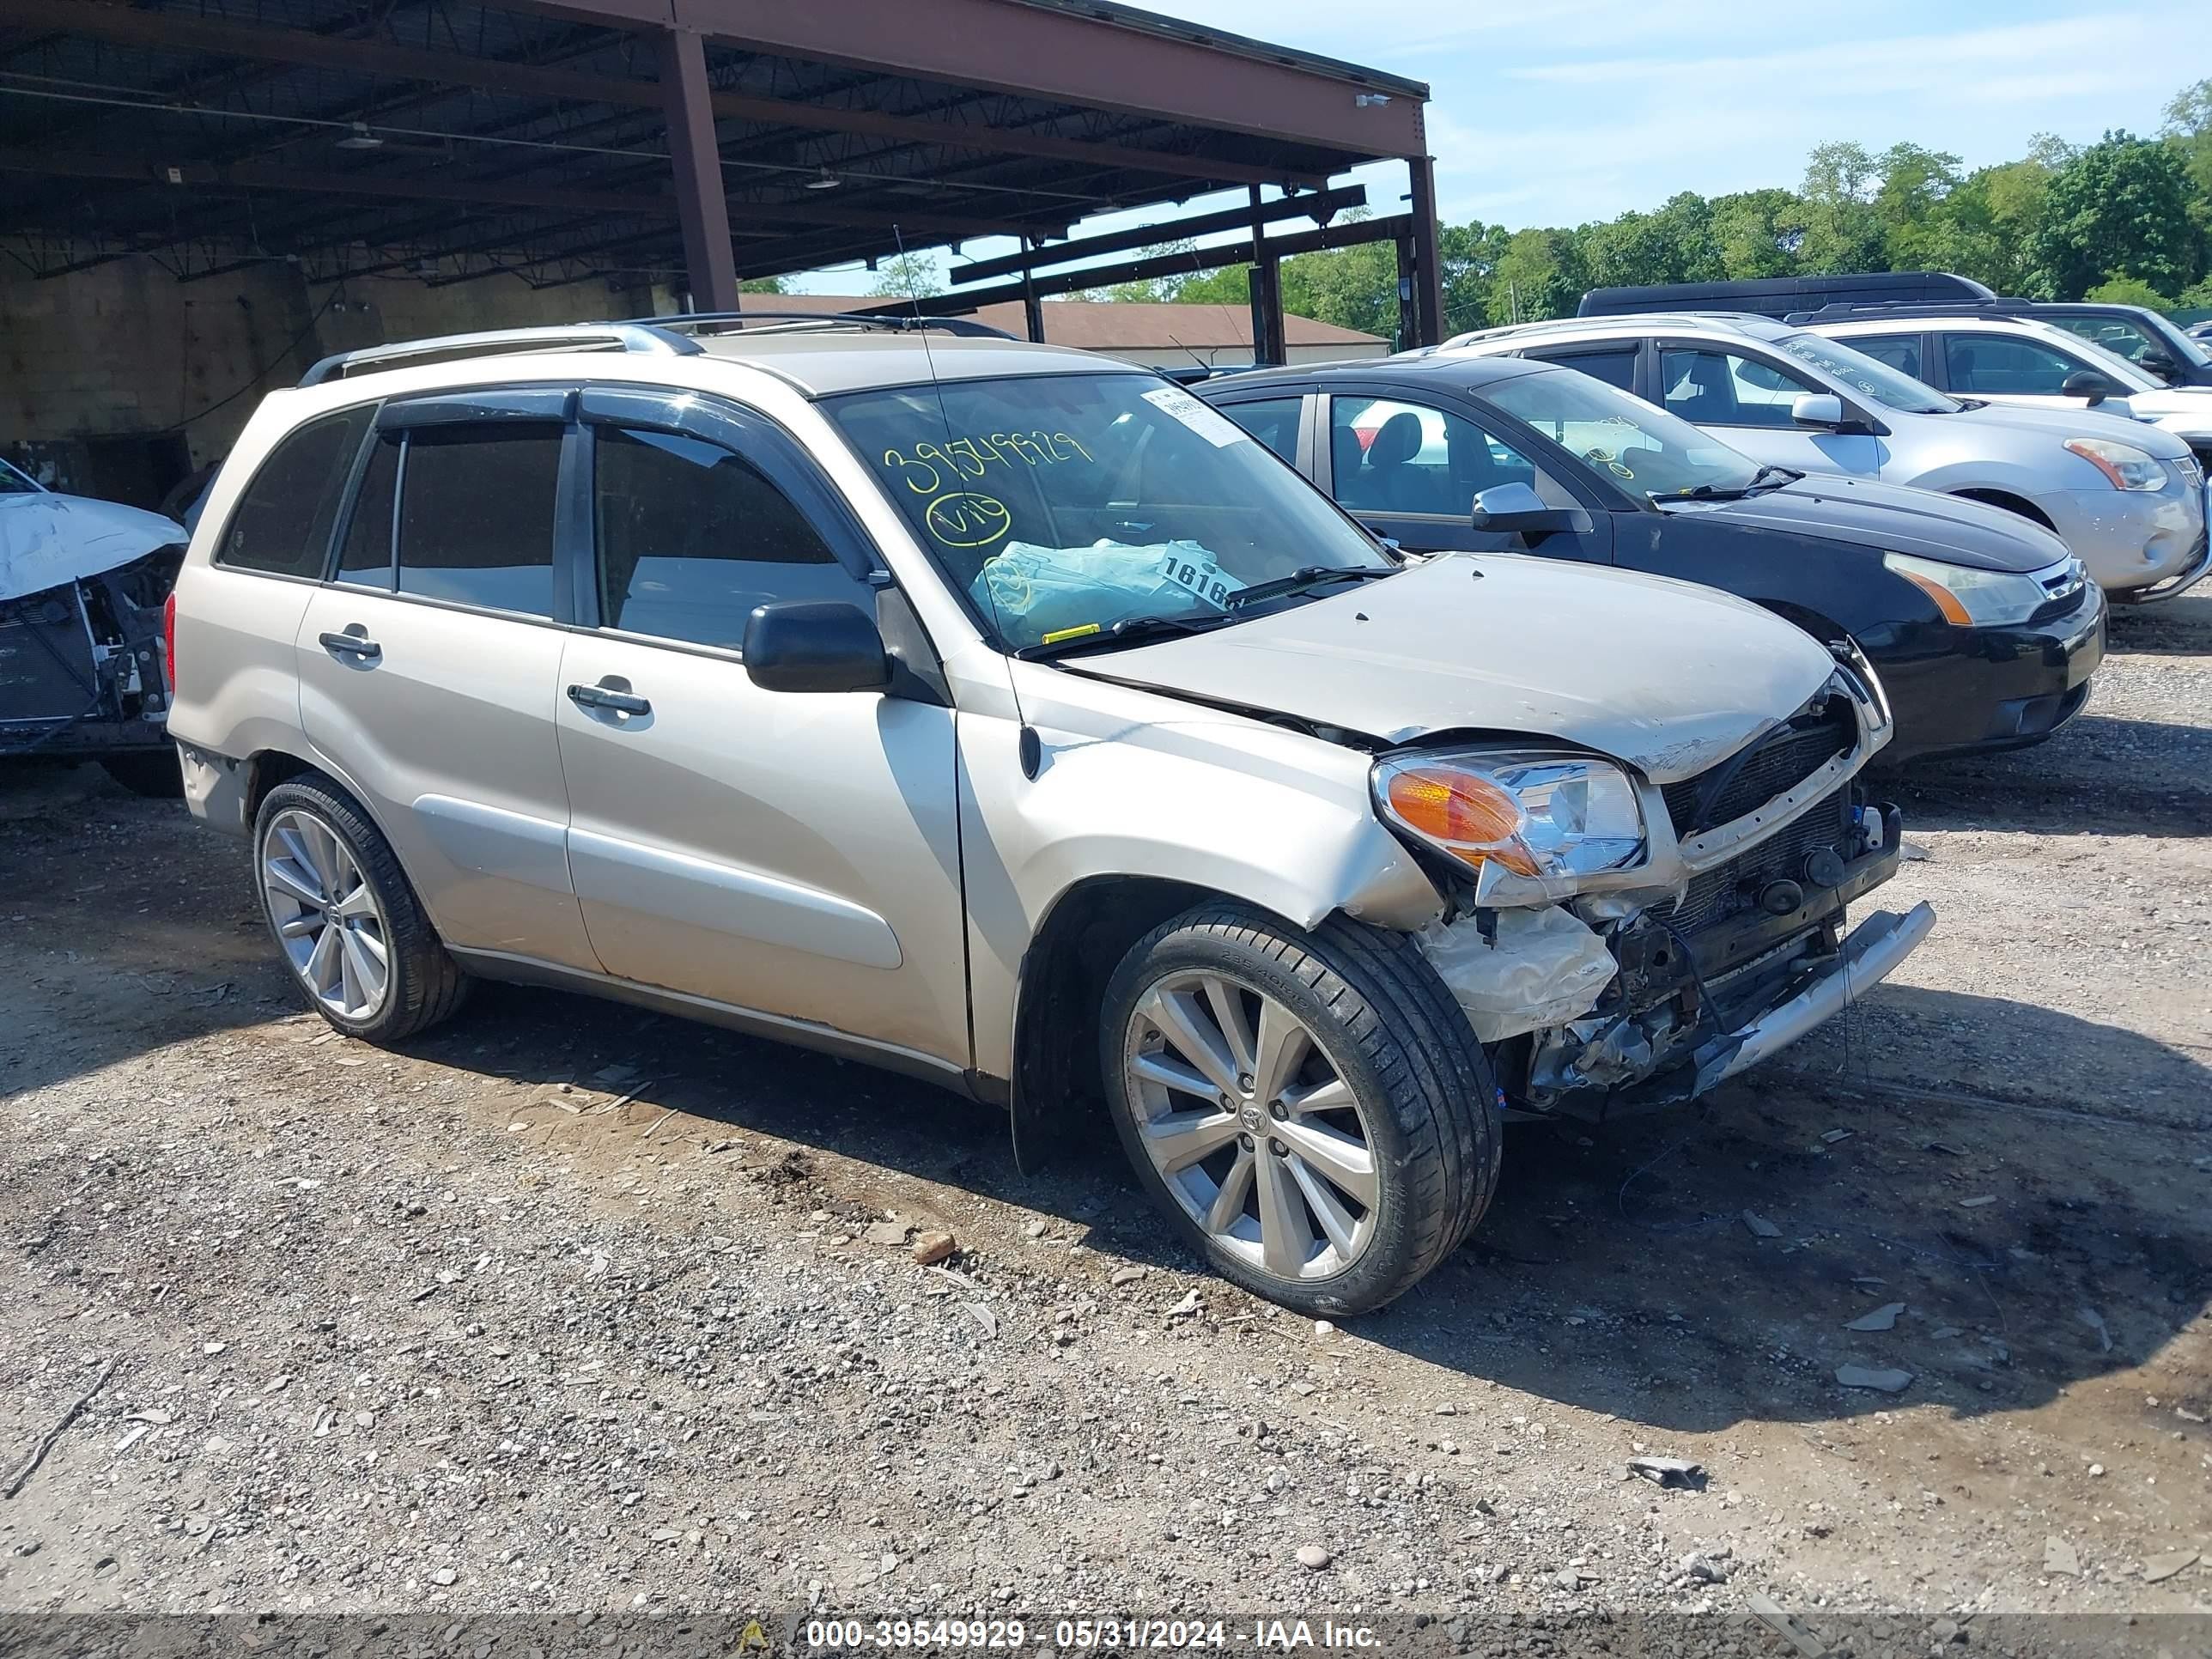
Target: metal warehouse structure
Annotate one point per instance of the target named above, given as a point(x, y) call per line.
point(692, 143)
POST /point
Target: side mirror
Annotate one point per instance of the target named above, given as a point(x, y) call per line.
point(1508, 508)
point(2158, 363)
point(2087, 383)
point(799, 644)
point(1823, 411)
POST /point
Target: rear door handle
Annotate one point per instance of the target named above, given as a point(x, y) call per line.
point(602, 697)
point(356, 645)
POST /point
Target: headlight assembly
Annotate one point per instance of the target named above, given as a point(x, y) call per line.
point(1545, 816)
point(1969, 597)
point(2124, 466)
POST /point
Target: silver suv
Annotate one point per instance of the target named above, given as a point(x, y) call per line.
point(2128, 500)
point(1005, 716)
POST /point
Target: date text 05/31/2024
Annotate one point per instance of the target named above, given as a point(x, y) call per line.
point(1010, 1635)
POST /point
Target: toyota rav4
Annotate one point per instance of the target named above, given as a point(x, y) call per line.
point(1006, 716)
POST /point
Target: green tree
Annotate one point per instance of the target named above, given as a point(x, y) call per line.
point(1540, 273)
point(1758, 231)
point(1843, 229)
point(1675, 244)
point(908, 276)
point(763, 285)
point(2119, 208)
point(2128, 291)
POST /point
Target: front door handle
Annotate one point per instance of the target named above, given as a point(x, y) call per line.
point(606, 696)
point(352, 644)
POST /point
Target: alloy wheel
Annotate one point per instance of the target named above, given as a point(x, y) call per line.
point(326, 915)
point(1254, 1132)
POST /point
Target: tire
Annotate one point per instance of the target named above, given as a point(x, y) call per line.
point(156, 774)
point(421, 986)
point(1382, 1035)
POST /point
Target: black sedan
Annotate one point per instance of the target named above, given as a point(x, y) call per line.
point(1981, 626)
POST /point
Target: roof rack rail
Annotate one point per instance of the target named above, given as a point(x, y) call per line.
point(694, 322)
point(645, 337)
point(1843, 308)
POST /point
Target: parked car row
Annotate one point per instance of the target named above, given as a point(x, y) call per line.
point(1010, 717)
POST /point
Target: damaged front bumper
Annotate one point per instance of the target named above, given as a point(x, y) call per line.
point(1870, 954)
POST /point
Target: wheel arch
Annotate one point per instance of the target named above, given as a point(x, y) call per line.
point(1082, 939)
point(2009, 500)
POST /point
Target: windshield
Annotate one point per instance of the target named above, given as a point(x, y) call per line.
point(13, 483)
point(1638, 446)
point(1063, 504)
point(1891, 387)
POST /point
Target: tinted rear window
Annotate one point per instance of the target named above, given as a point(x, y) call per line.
point(282, 523)
point(476, 516)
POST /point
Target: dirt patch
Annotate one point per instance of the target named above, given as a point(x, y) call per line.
point(569, 1305)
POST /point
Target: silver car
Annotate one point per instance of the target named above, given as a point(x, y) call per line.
point(2128, 500)
point(1005, 716)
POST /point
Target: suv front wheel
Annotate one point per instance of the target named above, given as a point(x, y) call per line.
point(1311, 1110)
point(342, 913)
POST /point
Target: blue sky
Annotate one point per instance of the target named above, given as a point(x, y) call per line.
point(1555, 112)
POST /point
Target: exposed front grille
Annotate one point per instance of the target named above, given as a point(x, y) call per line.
point(1781, 761)
point(1734, 888)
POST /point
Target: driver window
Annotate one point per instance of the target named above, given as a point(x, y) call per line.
point(692, 536)
point(1722, 388)
point(1997, 365)
point(1390, 456)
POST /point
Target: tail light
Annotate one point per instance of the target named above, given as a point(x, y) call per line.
point(169, 641)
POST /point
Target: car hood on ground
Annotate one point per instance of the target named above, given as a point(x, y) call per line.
point(1892, 518)
point(1670, 676)
point(2115, 417)
point(46, 540)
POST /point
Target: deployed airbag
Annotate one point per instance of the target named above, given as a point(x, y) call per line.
point(1544, 968)
point(1036, 593)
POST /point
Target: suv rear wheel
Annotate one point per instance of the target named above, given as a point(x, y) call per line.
point(342, 913)
point(1311, 1110)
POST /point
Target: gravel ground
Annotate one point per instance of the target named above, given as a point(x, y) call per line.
point(569, 1307)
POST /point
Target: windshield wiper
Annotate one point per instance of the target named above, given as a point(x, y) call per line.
point(1705, 492)
point(1305, 576)
point(1130, 630)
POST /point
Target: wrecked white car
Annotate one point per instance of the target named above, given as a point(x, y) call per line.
point(82, 586)
point(985, 711)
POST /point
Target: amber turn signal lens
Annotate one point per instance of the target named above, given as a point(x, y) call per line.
point(1472, 818)
point(1946, 600)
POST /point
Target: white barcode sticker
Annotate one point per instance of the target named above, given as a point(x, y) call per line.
point(1199, 417)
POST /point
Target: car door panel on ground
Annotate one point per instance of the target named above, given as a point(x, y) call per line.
point(430, 665)
point(729, 843)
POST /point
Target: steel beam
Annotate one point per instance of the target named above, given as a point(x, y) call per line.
point(1321, 208)
point(701, 204)
point(1350, 234)
point(1427, 319)
point(177, 30)
point(1097, 56)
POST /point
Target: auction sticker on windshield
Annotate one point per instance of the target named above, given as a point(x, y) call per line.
point(1217, 430)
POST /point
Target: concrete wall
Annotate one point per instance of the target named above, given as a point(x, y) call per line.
point(101, 369)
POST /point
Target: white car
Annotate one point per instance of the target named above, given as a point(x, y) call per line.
point(81, 584)
point(2030, 364)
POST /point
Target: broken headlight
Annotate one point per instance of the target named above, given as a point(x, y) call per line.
point(1549, 816)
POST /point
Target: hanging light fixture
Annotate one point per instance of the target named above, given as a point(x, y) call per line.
point(826, 180)
point(361, 138)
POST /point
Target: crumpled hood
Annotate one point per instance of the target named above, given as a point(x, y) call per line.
point(47, 539)
point(1892, 517)
point(1668, 676)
